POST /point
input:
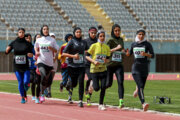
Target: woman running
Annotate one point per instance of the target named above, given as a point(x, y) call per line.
point(115, 65)
point(35, 83)
point(22, 50)
point(45, 47)
point(99, 53)
point(75, 50)
point(142, 51)
point(91, 40)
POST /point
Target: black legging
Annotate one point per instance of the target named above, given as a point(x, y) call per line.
point(140, 82)
point(119, 72)
point(89, 78)
point(32, 81)
point(45, 72)
point(77, 75)
point(102, 77)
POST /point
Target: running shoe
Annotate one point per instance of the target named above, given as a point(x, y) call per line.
point(37, 100)
point(80, 104)
point(145, 106)
point(23, 101)
point(33, 98)
point(26, 99)
point(26, 87)
point(135, 94)
point(89, 103)
point(42, 98)
point(121, 103)
point(101, 107)
point(61, 87)
point(70, 100)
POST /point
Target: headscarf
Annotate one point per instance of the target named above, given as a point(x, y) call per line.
point(98, 33)
point(137, 39)
point(75, 29)
point(67, 36)
point(94, 30)
point(112, 31)
point(41, 31)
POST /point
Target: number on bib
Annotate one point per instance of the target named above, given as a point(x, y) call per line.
point(20, 59)
point(100, 58)
point(81, 59)
point(116, 56)
point(137, 52)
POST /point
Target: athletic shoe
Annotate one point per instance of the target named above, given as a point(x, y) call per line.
point(80, 104)
point(23, 101)
point(37, 100)
point(42, 98)
point(26, 99)
point(135, 94)
point(33, 98)
point(70, 100)
point(26, 87)
point(46, 92)
point(145, 106)
point(61, 87)
point(101, 107)
point(89, 103)
point(121, 103)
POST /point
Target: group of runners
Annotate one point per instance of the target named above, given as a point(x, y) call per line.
point(98, 58)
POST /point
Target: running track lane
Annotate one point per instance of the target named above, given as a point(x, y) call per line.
point(12, 109)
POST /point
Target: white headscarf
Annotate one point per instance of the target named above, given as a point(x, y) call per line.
point(101, 42)
point(138, 40)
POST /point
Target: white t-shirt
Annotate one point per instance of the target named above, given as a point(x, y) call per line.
point(46, 55)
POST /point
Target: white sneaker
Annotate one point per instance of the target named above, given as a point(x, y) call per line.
point(101, 107)
point(145, 106)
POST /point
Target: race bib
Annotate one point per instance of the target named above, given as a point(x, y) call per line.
point(100, 58)
point(81, 59)
point(116, 56)
point(20, 59)
point(44, 47)
point(137, 52)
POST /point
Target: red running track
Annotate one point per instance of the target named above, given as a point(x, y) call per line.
point(12, 109)
point(127, 76)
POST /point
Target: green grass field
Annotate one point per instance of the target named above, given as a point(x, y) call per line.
point(153, 88)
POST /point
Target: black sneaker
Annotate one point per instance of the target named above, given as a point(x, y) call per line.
point(70, 100)
point(80, 104)
point(61, 87)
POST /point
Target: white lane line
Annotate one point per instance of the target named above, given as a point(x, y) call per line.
point(110, 106)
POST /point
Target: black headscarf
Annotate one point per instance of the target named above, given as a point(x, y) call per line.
point(35, 37)
point(28, 34)
point(75, 29)
point(92, 28)
point(67, 36)
point(112, 32)
point(41, 31)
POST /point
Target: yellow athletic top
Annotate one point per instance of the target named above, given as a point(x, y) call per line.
point(98, 51)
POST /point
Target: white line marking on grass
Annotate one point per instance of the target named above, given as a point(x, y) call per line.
point(110, 106)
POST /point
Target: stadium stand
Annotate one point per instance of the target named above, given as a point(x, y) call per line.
point(161, 18)
point(78, 14)
point(32, 15)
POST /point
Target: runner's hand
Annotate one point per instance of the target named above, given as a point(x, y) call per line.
point(76, 56)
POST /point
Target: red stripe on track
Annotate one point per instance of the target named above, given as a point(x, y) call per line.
point(12, 109)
